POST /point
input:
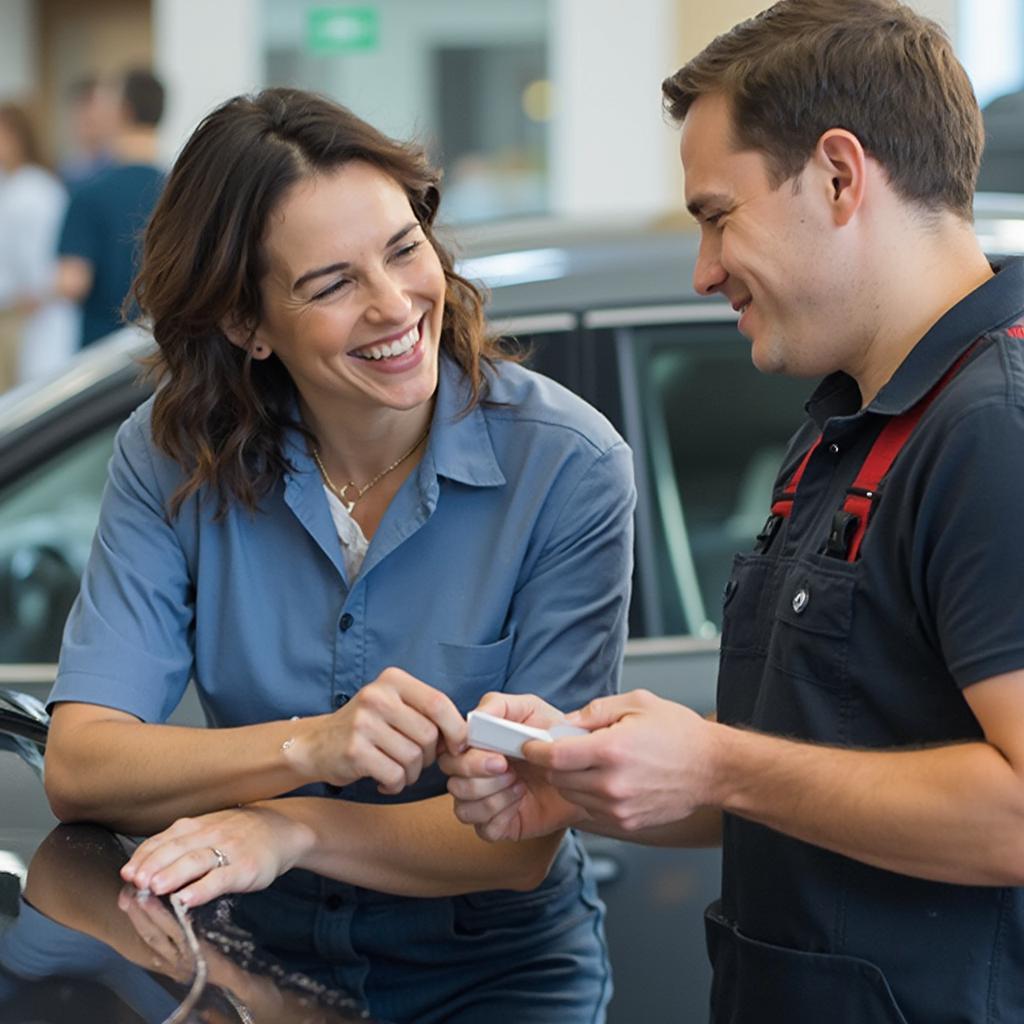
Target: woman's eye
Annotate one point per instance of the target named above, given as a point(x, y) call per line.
point(330, 289)
point(407, 250)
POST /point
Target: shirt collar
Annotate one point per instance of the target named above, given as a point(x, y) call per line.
point(459, 447)
point(995, 304)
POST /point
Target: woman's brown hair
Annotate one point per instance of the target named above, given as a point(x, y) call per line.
point(218, 413)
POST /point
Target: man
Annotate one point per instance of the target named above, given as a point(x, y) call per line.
point(93, 119)
point(865, 774)
point(108, 212)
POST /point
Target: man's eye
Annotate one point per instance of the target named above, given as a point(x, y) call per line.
point(714, 219)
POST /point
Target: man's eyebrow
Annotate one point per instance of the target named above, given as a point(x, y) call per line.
point(699, 204)
point(333, 268)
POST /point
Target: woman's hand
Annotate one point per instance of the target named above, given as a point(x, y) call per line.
point(240, 850)
point(508, 799)
point(390, 731)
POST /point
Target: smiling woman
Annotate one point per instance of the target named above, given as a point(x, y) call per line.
point(347, 516)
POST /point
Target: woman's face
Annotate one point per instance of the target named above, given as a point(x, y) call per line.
point(354, 295)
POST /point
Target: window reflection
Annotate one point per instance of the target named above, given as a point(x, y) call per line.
point(468, 79)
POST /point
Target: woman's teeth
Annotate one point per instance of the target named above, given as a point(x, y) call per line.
point(390, 349)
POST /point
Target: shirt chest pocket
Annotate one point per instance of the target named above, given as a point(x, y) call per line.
point(468, 671)
point(813, 618)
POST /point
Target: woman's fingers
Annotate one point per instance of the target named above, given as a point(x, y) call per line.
point(428, 703)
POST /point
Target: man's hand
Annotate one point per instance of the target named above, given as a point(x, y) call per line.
point(647, 762)
point(505, 799)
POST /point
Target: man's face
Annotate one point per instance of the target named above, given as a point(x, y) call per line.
point(768, 251)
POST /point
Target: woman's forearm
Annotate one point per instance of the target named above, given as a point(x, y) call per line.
point(139, 778)
point(413, 849)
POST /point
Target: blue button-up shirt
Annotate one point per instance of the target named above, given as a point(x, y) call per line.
point(502, 563)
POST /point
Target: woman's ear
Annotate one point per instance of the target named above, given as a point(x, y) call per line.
point(245, 339)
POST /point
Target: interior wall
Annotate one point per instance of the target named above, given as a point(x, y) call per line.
point(78, 39)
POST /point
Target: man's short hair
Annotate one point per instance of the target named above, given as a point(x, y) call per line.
point(143, 96)
point(874, 67)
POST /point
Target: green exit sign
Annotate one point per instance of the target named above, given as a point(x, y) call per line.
point(342, 29)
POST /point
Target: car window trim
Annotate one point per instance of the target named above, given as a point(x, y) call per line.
point(643, 316)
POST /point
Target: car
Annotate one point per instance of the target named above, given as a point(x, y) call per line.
point(68, 952)
point(609, 313)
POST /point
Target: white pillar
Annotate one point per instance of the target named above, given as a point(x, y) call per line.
point(19, 76)
point(204, 53)
point(611, 147)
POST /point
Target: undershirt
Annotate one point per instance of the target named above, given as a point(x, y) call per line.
point(350, 533)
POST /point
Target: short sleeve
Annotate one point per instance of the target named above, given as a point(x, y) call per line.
point(128, 642)
point(570, 616)
point(968, 547)
point(80, 234)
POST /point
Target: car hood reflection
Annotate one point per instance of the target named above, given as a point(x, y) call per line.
point(84, 947)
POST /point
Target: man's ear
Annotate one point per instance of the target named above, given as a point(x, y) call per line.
point(245, 339)
point(841, 163)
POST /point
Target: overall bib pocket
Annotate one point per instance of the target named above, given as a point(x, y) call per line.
point(759, 983)
point(813, 618)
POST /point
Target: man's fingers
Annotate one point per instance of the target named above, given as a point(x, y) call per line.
point(573, 753)
point(605, 711)
point(474, 764)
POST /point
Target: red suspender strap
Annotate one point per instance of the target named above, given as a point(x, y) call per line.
point(850, 523)
point(784, 506)
point(848, 531)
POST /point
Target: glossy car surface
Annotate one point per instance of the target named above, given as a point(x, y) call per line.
point(76, 945)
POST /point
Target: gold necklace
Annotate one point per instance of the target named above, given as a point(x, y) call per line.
point(340, 492)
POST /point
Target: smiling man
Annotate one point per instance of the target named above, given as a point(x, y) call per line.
point(865, 773)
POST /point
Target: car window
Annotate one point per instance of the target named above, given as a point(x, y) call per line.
point(47, 519)
point(715, 431)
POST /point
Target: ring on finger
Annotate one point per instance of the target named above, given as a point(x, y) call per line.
point(222, 858)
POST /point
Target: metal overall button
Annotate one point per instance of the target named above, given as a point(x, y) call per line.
point(800, 600)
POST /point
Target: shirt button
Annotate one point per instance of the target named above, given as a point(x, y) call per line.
point(339, 700)
point(345, 622)
point(800, 600)
point(834, 448)
point(334, 902)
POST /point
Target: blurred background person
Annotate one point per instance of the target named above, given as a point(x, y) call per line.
point(36, 336)
point(98, 243)
point(93, 118)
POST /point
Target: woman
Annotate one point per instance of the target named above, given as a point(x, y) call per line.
point(341, 473)
point(37, 333)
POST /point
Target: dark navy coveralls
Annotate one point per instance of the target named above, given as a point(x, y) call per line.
point(875, 653)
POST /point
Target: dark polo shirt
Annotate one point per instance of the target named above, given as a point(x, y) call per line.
point(943, 557)
point(876, 654)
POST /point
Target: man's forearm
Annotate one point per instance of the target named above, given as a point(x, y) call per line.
point(951, 814)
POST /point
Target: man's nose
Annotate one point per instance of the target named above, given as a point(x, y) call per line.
point(708, 273)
